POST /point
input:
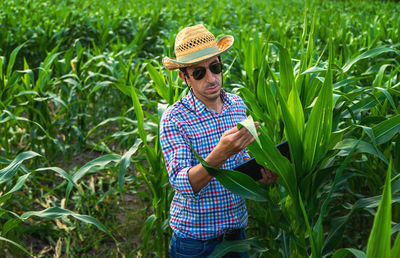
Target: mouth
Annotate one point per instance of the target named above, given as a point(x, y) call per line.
point(213, 89)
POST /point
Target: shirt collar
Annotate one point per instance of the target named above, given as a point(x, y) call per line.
point(198, 107)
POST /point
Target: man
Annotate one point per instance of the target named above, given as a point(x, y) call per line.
point(203, 212)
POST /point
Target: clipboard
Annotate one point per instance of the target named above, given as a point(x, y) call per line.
point(251, 168)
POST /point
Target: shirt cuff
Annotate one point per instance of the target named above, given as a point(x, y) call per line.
point(185, 188)
point(246, 155)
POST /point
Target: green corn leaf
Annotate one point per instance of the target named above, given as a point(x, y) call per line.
point(339, 223)
point(57, 212)
point(147, 229)
point(367, 54)
point(11, 116)
point(380, 75)
point(395, 252)
point(319, 125)
point(345, 252)
point(125, 89)
point(12, 59)
point(15, 244)
point(252, 102)
point(270, 157)
point(18, 185)
point(160, 110)
point(110, 120)
point(237, 246)
point(20, 182)
point(45, 72)
point(59, 171)
point(324, 206)
point(95, 165)
point(92, 167)
point(126, 161)
point(28, 77)
point(27, 93)
point(389, 98)
point(261, 87)
point(315, 69)
point(159, 82)
point(242, 185)
point(379, 239)
point(287, 81)
point(362, 147)
point(139, 115)
point(248, 123)
point(2, 75)
point(9, 225)
point(315, 251)
point(271, 98)
point(292, 135)
point(296, 111)
point(385, 130)
point(236, 182)
point(8, 172)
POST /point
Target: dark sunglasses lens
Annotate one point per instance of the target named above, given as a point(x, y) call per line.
point(199, 73)
point(216, 68)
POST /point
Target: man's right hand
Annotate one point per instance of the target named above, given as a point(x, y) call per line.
point(233, 141)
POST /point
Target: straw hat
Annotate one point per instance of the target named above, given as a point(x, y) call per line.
point(196, 44)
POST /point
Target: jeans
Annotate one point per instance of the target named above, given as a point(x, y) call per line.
point(185, 247)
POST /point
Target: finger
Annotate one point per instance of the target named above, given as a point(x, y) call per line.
point(231, 131)
point(238, 141)
point(263, 173)
point(274, 177)
point(248, 141)
point(271, 176)
point(242, 135)
point(269, 173)
point(243, 138)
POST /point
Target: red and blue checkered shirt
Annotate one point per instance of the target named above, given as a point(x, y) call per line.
point(213, 210)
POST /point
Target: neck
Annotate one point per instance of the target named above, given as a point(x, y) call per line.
point(213, 104)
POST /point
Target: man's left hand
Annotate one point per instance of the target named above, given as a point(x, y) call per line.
point(268, 176)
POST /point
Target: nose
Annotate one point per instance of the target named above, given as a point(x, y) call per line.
point(210, 77)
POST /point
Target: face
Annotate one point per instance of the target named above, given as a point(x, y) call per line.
point(208, 88)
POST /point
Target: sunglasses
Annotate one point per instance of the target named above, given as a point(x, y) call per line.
point(200, 72)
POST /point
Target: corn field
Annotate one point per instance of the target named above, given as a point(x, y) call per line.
point(82, 91)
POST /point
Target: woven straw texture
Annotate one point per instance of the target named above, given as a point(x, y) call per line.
point(193, 39)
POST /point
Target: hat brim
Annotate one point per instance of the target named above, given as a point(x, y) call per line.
point(224, 44)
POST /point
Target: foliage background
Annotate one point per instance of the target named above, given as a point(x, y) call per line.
point(81, 84)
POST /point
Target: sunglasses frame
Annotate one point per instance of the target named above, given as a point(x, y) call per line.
point(215, 68)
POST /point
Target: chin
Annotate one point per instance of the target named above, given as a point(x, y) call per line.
point(216, 94)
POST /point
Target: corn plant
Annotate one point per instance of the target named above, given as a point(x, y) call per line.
point(11, 218)
point(66, 80)
point(379, 242)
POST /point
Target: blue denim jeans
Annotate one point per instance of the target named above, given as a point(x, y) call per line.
point(185, 247)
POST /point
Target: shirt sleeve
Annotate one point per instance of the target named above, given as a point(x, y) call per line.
point(178, 157)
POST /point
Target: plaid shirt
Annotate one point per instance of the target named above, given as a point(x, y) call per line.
point(213, 210)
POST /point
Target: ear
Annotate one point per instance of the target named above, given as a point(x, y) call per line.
point(183, 77)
